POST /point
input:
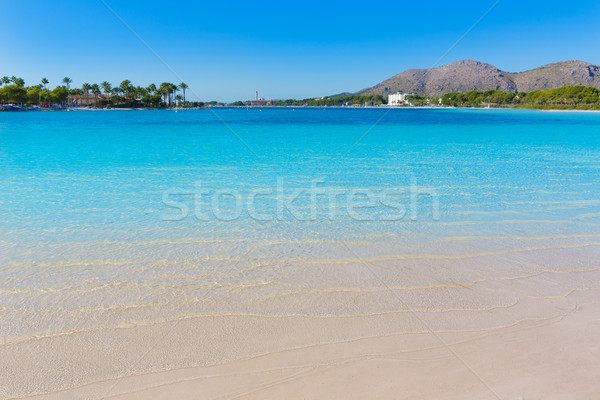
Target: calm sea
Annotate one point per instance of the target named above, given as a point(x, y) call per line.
point(115, 217)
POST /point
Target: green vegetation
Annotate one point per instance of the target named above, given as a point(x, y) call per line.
point(14, 91)
point(350, 100)
point(566, 97)
point(291, 103)
point(421, 101)
point(125, 94)
point(370, 100)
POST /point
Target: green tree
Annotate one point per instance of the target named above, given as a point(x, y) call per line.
point(96, 92)
point(125, 88)
point(86, 87)
point(183, 86)
point(45, 84)
point(15, 94)
point(67, 81)
point(33, 95)
point(152, 100)
point(18, 81)
point(454, 99)
point(106, 87)
point(59, 95)
point(116, 93)
point(165, 91)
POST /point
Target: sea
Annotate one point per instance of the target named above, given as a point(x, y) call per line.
point(125, 218)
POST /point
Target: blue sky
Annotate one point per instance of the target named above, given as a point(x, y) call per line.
point(226, 50)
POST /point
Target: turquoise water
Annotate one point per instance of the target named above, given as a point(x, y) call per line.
point(89, 175)
point(84, 223)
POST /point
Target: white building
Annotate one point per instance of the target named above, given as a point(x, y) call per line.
point(398, 98)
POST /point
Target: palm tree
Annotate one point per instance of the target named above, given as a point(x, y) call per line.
point(141, 92)
point(138, 93)
point(106, 87)
point(165, 91)
point(183, 86)
point(178, 98)
point(116, 93)
point(45, 83)
point(125, 87)
point(152, 88)
point(67, 81)
point(134, 93)
point(174, 89)
point(96, 91)
point(86, 89)
point(5, 80)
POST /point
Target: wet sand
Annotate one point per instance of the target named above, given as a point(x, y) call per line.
point(513, 335)
point(550, 357)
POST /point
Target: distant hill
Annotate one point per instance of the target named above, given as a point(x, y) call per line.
point(551, 76)
point(466, 75)
point(341, 94)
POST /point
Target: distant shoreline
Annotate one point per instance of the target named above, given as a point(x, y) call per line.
point(310, 107)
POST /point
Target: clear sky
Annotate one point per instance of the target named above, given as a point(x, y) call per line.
point(225, 50)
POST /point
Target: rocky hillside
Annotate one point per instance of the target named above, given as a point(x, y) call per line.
point(465, 75)
point(551, 76)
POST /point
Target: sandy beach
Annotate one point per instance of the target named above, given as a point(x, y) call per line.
point(549, 357)
point(499, 333)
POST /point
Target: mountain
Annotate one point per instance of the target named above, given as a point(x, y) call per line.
point(551, 76)
point(341, 94)
point(466, 75)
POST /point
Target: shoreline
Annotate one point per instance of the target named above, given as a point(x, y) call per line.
point(313, 107)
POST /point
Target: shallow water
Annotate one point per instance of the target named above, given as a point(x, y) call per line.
point(431, 210)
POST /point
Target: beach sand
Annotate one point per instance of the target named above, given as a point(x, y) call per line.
point(464, 317)
point(540, 347)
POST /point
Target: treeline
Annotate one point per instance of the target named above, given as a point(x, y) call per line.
point(420, 101)
point(567, 97)
point(13, 90)
point(370, 100)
